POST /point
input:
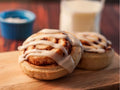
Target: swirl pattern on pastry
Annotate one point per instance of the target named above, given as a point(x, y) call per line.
point(49, 47)
point(94, 42)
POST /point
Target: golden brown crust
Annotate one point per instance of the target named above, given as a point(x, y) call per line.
point(96, 61)
point(97, 54)
point(43, 73)
point(43, 67)
point(49, 72)
point(94, 42)
point(41, 60)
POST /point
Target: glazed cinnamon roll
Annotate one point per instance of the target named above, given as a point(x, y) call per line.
point(49, 54)
point(98, 52)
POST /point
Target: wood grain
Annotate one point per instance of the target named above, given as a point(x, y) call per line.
point(12, 78)
point(47, 14)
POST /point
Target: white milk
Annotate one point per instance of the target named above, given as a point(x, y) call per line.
point(80, 15)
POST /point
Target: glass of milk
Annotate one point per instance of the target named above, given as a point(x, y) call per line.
point(81, 15)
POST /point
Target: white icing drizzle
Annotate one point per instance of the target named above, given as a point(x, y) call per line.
point(74, 41)
point(52, 54)
point(52, 31)
point(44, 42)
point(66, 62)
point(47, 35)
point(36, 52)
point(91, 37)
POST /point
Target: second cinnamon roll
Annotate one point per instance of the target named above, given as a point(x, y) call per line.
point(98, 52)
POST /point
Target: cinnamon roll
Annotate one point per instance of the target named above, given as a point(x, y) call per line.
point(98, 52)
point(49, 54)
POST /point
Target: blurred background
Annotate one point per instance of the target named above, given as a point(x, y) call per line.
point(48, 15)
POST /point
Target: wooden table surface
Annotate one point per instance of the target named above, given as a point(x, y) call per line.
point(106, 79)
point(47, 16)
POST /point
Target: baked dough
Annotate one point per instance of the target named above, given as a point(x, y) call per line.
point(96, 61)
point(49, 72)
point(37, 57)
point(97, 54)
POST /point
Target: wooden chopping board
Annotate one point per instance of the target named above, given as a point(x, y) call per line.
point(12, 78)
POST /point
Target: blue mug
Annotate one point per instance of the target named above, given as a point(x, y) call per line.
point(17, 31)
